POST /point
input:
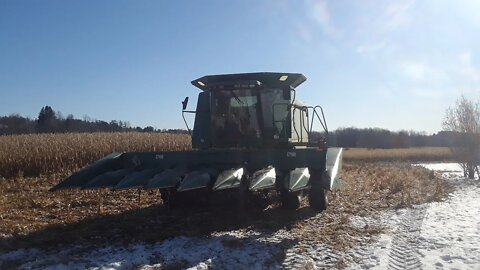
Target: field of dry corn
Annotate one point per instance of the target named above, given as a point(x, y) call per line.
point(32, 216)
point(43, 154)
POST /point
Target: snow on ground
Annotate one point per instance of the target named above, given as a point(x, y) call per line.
point(233, 250)
point(449, 171)
point(443, 167)
point(225, 250)
point(450, 232)
point(439, 235)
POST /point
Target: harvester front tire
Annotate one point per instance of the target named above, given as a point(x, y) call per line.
point(318, 198)
point(290, 200)
point(171, 198)
point(165, 195)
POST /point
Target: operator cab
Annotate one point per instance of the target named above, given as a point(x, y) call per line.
point(235, 117)
point(251, 110)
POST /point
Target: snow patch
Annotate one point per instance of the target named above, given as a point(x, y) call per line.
point(451, 231)
point(445, 235)
point(251, 251)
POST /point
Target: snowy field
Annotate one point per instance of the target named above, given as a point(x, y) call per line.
point(439, 235)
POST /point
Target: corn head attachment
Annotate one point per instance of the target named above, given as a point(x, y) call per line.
point(250, 135)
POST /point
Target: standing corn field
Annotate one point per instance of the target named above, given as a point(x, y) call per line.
point(36, 154)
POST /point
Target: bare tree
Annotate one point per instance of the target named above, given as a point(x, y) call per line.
point(464, 120)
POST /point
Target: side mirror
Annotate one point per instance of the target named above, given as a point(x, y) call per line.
point(185, 103)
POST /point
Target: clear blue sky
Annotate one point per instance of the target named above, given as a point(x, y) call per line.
point(373, 63)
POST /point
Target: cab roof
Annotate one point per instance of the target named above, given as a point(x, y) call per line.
point(267, 79)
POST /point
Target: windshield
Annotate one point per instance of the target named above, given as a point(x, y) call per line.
point(246, 101)
point(235, 117)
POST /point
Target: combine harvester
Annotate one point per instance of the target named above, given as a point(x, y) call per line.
point(250, 135)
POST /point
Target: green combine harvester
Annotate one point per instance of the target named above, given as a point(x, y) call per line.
point(250, 135)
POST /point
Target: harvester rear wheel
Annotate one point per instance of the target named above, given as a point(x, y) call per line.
point(290, 200)
point(318, 198)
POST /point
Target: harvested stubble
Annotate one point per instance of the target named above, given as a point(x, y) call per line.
point(32, 216)
point(367, 188)
point(399, 154)
point(36, 154)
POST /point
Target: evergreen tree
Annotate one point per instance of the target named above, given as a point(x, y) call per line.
point(46, 120)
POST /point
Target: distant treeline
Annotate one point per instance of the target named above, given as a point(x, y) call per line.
point(382, 138)
point(49, 121)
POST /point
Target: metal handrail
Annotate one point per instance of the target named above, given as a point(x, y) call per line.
point(322, 120)
point(308, 127)
point(185, 120)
